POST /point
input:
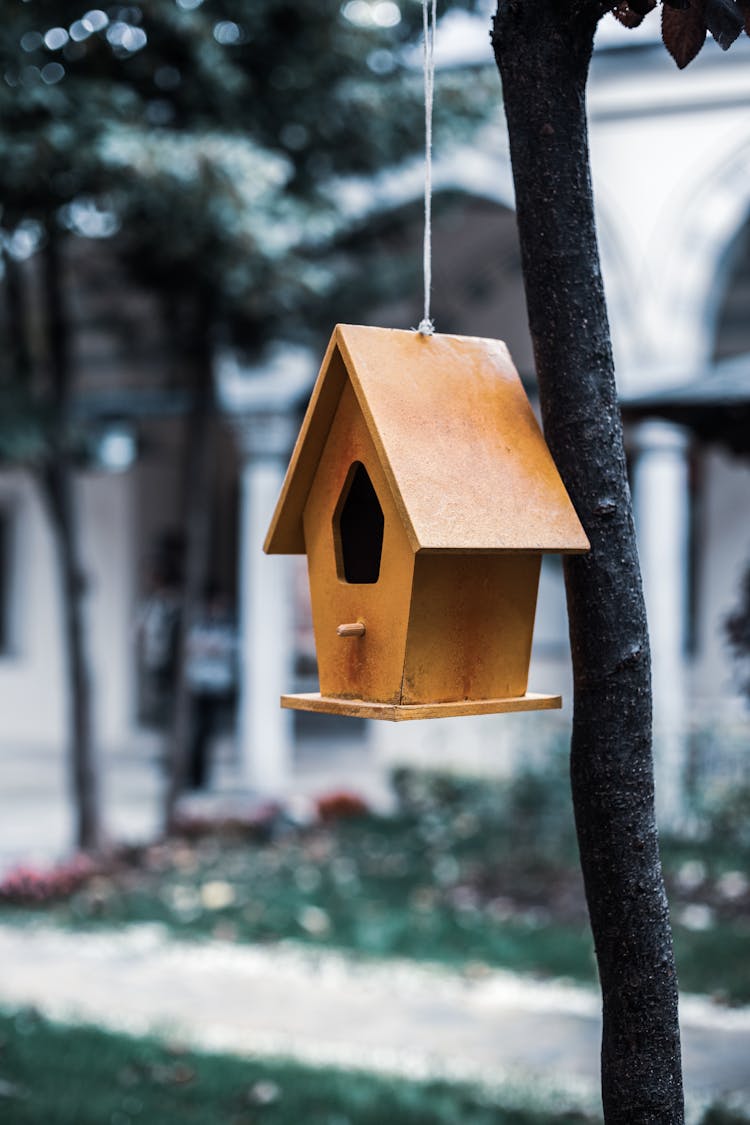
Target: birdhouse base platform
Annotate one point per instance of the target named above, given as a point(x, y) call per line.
point(398, 712)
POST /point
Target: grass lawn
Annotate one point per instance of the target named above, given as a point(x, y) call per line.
point(51, 1075)
point(466, 872)
point(56, 1075)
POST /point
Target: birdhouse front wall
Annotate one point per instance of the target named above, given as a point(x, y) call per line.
point(360, 564)
point(470, 627)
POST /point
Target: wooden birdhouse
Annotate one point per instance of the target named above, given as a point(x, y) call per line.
point(424, 495)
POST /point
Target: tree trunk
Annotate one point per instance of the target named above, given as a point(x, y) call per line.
point(19, 371)
point(197, 522)
point(543, 50)
point(57, 482)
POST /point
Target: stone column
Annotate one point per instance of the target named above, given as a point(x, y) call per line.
point(662, 507)
point(261, 400)
point(266, 619)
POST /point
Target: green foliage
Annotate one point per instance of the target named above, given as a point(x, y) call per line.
point(720, 1115)
point(730, 817)
point(225, 224)
point(379, 887)
point(714, 960)
point(467, 872)
point(528, 815)
point(218, 135)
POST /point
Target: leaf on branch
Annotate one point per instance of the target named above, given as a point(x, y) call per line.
point(745, 9)
point(724, 21)
point(683, 31)
point(626, 15)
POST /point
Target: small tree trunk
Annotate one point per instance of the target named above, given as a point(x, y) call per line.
point(19, 370)
point(57, 482)
point(57, 485)
point(197, 509)
point(543, 50)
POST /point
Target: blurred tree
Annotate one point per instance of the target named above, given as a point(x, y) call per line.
point(233, 210)
point(48, 158)
point(543, 49)
point(224, 139)
point(738, 632)
point(204, 224)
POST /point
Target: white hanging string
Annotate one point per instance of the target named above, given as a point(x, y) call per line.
point(429, 19)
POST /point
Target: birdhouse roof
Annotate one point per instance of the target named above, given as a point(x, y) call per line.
point(463, 454)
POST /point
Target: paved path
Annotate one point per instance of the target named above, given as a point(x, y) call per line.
point(324, 1007)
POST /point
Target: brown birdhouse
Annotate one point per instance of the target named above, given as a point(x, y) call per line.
point(424, 495)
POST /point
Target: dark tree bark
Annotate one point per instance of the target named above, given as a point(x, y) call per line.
point(543, 50)
point(19, 369)
point(57, 482)
point(197, 524)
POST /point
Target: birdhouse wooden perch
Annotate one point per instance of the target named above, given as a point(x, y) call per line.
point(424, 495)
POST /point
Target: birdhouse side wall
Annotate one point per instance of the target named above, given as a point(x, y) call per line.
point(470, 627)
point(371, 666)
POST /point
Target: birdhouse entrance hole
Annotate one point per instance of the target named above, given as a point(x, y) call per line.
point(358, 529)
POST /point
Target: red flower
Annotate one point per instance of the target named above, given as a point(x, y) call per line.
point(340, 805)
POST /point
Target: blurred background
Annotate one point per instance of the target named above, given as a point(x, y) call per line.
point(192, 193)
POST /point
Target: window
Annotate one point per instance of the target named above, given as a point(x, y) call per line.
point(358, 529)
